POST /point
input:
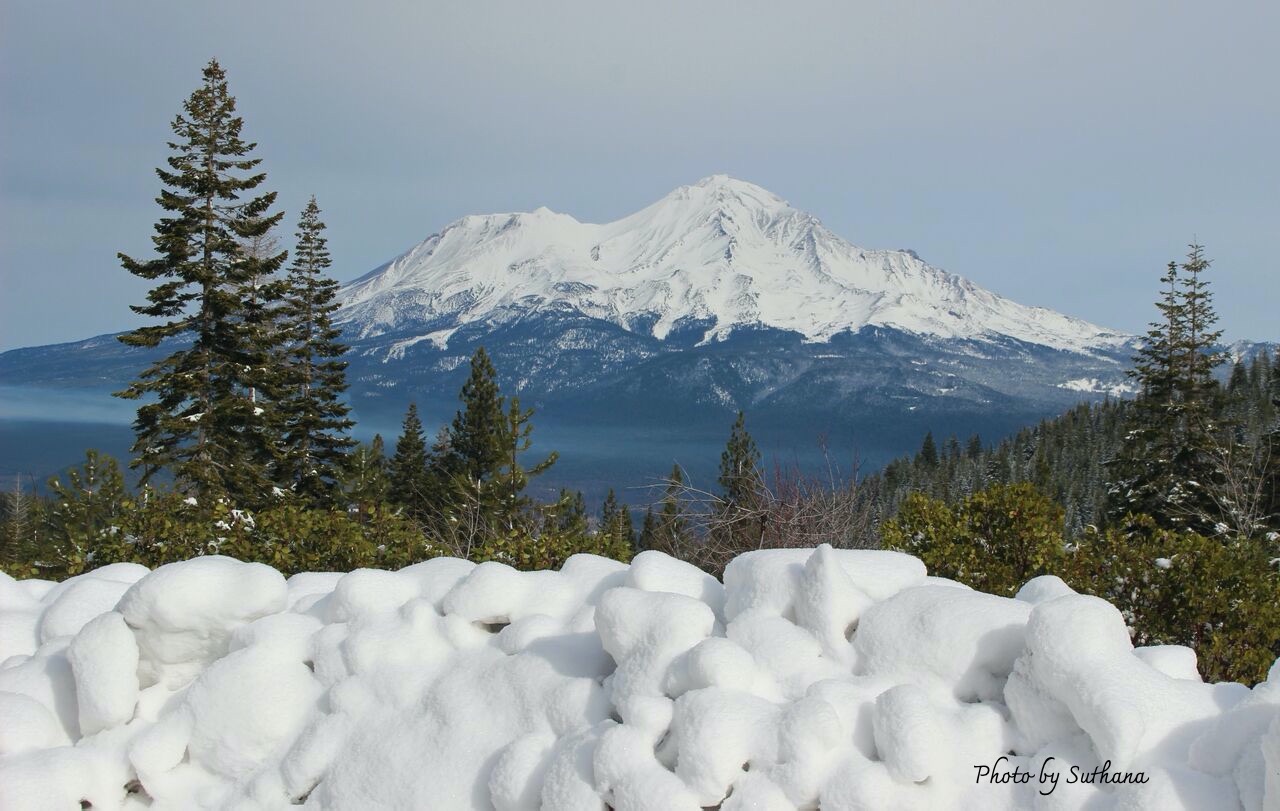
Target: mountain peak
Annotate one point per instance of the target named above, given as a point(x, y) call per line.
point(717, 191)
point(722, 252)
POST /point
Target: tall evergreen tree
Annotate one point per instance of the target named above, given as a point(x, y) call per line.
point(364, 479)
point(740, 523)
point(316, 423)
point(571, 515)
point(408, 469)
point(740, 475)
point(615, 520)
point(1140, 472)
point(973, 449)
point(928, 450)
point(199, 420)
point(1166, 466)
point(670, 531)
point(648, 531)
point(480, 461)
point(259, 293)
point(623, 528)
point(507, 483)
point(476, 436)
point(1271, 463)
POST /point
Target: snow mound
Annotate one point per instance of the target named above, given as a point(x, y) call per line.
point(832, 679)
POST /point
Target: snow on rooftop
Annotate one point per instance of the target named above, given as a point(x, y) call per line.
point(832, 679)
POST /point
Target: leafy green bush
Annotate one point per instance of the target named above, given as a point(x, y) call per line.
point(1219, 597)
point(549, 549)
point(995, 540)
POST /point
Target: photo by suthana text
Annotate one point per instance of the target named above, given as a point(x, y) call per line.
point(1048, 777)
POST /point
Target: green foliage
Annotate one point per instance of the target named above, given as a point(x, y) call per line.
point(928, 454)
point(1166, 465)
point(507, 483)
point(22, 529)
point(199, 419)
point(477, 470)
point(571, 515)
point(476, 436)
point(408, 478)
point(363, 476)
point(668, 530)
point(87, 510)
point(164, 527)
point(549, 548)
point(315, 422)
point(1179, 588)
point(740, 474)
point(1064, 457)
point(995, 540)
point(739, 524)
point(1221, 598)
point(615, 521)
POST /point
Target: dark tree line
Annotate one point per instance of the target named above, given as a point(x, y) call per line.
point(1197, 449)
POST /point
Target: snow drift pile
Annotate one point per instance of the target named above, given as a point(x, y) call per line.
point(809, 679)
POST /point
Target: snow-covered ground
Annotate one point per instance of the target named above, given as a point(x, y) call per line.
point(809, 679)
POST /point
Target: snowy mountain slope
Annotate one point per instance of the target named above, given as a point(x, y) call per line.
point(722, 252)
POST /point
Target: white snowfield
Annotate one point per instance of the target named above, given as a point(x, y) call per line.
point(809, 679)
point(721, 250)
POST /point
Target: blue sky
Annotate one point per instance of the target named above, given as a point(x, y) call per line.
point(1058, 154)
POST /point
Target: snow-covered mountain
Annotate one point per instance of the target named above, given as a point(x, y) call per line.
point(637, 340)
point(722, 252)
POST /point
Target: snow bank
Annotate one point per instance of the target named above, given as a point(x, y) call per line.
point(825, 678)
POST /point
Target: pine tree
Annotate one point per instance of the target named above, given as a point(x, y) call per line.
point(1271, 457)
point(508, 481)
point(259, 293)
point(485, 444)
point(316, 423)
point(670, 532)
point(740, 522)
point(615, 520)
point(21, 539)
point(1166, 466)
point(1238, 382)
point(928, 451)
point(476, 436)
point(408, 469)
point(740, 476)
point(623, 528)
point(88, 506)
point(1196, 461)
point(571, 516)
point(973, 449)
point(199, 420)
point(364, 479)
point(1140, 473)
point(648, 530)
